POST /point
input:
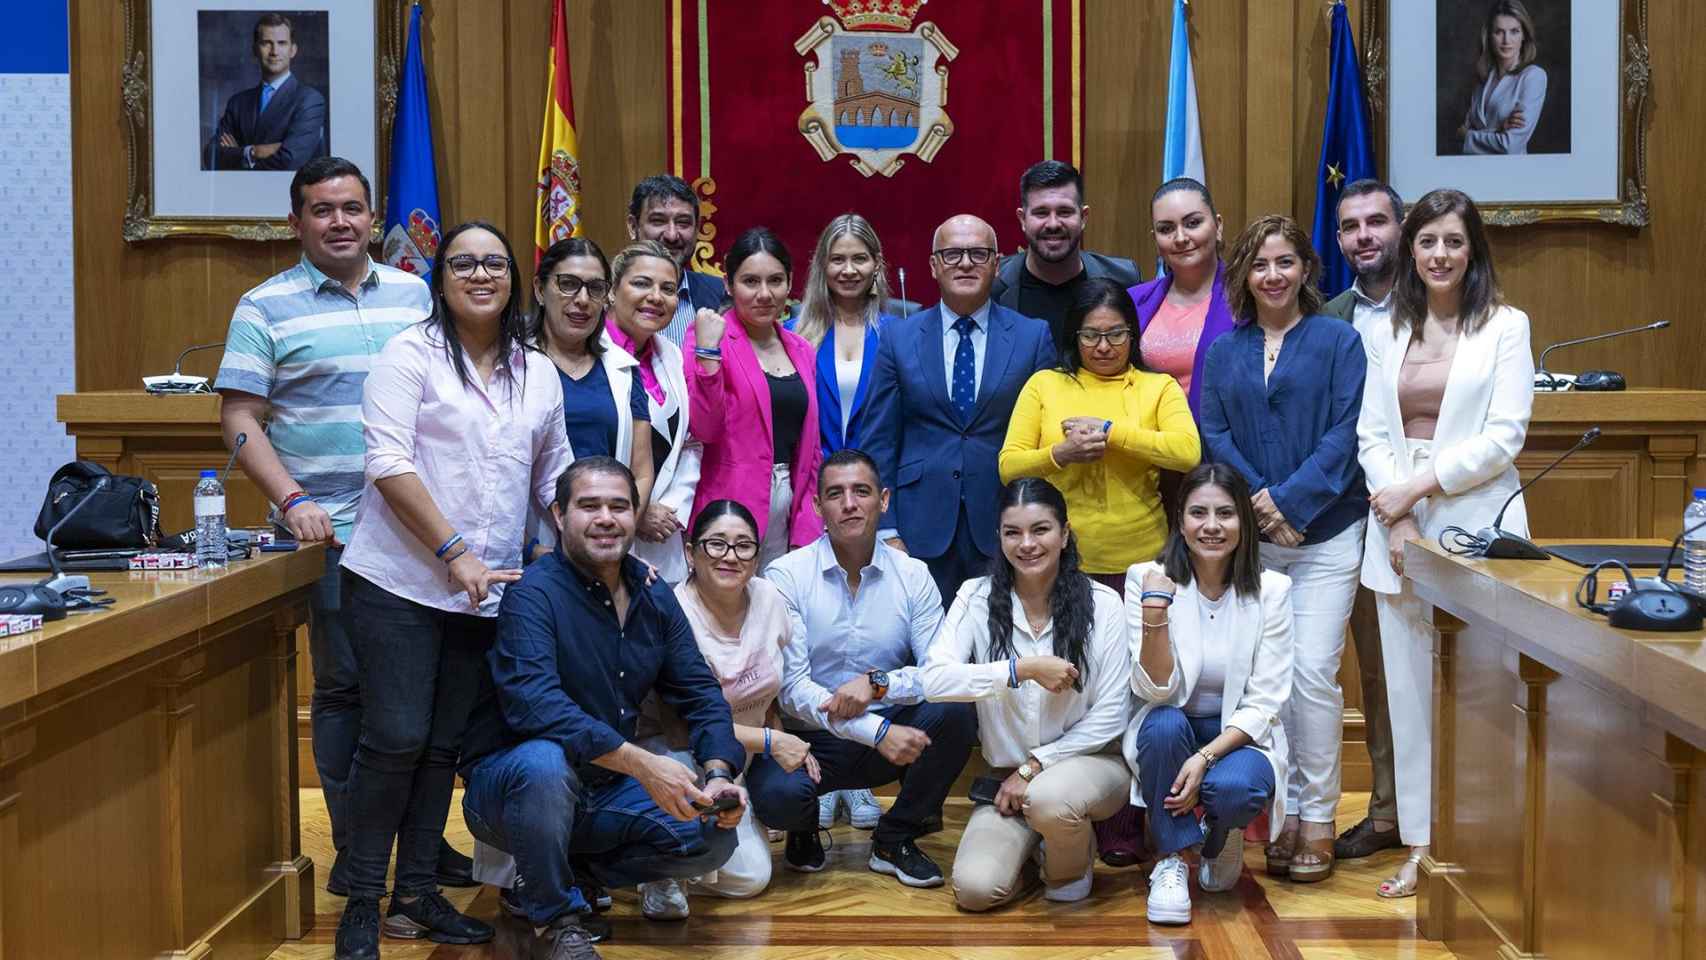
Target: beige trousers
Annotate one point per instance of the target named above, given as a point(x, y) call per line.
point(1060, 805)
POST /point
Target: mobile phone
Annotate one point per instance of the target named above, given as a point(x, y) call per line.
point(278, 546)
point(984, 789)
point(724, 801)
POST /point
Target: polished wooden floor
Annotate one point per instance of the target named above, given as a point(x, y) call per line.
point(849, 912)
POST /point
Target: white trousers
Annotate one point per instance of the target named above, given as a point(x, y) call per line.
point(1407, 646)
point(1323, 590)
point(781, 511)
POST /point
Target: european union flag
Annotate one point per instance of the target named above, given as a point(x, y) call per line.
point(412, 228)
point(1347, 152)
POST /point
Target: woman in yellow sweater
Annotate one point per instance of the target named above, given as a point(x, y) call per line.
point(1099, 428)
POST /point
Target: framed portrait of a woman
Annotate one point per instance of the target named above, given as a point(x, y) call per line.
point(1536, 108)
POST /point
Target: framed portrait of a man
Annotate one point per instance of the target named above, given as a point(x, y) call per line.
point(1536, 108)
point(225, 100)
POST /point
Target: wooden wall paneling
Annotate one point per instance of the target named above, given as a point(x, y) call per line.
point(1270, 129)
point(1125, 60)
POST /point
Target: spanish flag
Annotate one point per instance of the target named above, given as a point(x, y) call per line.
point(559, 170)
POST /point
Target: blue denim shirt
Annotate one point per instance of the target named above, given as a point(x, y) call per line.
point(1296, 434)
point(564, 670)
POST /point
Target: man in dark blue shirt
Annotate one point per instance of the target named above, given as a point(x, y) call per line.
point(553, 775)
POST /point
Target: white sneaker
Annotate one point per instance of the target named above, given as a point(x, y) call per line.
point(663, 900)
point(1169, 891)
point(1222, 873)
point(863, 810)
point(826, 805)
point(1072, 891)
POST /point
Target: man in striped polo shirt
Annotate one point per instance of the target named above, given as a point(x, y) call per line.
point(298, 351)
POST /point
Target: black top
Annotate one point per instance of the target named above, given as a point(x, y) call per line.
point(1047, 301)
point(788, 404)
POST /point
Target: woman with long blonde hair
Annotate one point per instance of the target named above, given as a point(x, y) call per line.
point(841, 316)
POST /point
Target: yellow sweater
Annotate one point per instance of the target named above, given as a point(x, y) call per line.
point(1114, 506)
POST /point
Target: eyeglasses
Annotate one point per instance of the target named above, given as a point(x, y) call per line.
point(717, 549)
point(1115, 338)
point(953, 255)
point(570, 285)
point(462, 265)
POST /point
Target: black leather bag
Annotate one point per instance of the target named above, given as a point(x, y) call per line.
point(125, 514)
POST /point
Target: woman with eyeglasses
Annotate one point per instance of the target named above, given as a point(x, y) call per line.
point(1181, 312)
point(604, 402)
point(753, 387)
point(1280, 399)
point(464, 428)
point(841, 315)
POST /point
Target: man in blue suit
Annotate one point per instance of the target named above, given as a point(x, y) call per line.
point(940, 397)
point(279, 124)
point(664, 208)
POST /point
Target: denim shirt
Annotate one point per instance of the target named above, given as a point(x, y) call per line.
point(563, 669)
point(1296, 434)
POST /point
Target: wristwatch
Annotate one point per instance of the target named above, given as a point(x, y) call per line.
point(1027, 770)
point(879, 684)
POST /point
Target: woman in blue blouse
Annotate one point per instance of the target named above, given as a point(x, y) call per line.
point(840, 316)
point(1281, 395)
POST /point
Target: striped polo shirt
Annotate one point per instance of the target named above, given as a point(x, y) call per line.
point(304, 342)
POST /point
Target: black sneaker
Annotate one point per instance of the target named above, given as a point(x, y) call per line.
point(596, 927)
point(337, 884)
point(906, 863)
point(358, 931)
point(432, 917)
point(804, 851)
point(570, 939)
point(454, 868)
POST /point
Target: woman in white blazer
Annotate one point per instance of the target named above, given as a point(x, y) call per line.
point(1217, 629)
point(1445, 411)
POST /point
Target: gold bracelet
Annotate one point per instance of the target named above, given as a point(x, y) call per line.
point(1156, 626)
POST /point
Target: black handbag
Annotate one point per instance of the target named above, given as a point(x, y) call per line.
point(125, 514)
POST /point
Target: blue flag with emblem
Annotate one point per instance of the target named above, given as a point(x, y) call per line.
point(1347, 152)
point(412, 227)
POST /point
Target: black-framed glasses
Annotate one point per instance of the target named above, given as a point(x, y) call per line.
point(463, 264)
point(953, 255)
point(717, 548)
point(570, 285)
point(1117, 337)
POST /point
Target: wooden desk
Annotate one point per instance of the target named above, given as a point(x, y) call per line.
point(1569, 760)
point(148, 789)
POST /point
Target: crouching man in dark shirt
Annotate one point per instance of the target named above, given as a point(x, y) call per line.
point(553, 775)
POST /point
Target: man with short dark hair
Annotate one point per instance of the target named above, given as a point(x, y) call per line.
point(554, 776)
point(664, 208)
point(278, 124)
point(1042, 281)
point(864, 615)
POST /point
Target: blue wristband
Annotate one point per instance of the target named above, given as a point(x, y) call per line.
point(455, 539)
point(882, 732)
point(1156, 595)
point(1013, 672)
point(767, 741)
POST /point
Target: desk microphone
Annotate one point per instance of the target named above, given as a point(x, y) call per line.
point(1652, 603)
point(1509, 546)
point(901, 272)
point(1546, 380)
point(176, 382)
point(48, 596)
point(236, 445)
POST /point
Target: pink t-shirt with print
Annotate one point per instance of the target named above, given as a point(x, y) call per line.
point(1170, 340)
point(749, 666)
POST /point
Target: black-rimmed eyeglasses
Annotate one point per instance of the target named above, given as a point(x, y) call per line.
point(718, 549)
point(570, 285)
point(953, 255)
point(1115, 338)
point(463, 265)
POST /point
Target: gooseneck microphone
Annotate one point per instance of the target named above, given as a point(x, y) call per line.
point(176, 382)
point(48, 596)
point(1546, 380)
point(236, 445)
point(901, 271)
point(1500, 545)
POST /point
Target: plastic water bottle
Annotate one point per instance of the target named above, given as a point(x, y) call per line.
point(1694, 544)
point(210, 521)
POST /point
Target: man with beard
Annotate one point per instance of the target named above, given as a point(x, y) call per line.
point(1042, 281)
point(664, 208)
point(1371, 216)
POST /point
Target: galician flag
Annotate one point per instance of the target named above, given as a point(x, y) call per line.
point(411, 204)
point(1182, 156)
point(559, 169)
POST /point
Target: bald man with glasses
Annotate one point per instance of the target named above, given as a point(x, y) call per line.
point(942, 389)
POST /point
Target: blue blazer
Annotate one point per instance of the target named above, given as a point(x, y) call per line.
point(295, 117)
point(830, 402)
point(706, 290)
point(930, 456)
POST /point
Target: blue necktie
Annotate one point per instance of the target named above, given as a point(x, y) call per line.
point(963, 391)
point(266, 97)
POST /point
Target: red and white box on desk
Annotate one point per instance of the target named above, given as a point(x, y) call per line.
point(12, 624)
point(163, 561)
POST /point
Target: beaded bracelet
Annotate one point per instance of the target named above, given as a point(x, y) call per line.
point(291, 500)
point(443, 549)
point(1156, 626)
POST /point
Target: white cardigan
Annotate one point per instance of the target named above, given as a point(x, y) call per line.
point(1258, 670)
point(677, 477)
point(1483, 422)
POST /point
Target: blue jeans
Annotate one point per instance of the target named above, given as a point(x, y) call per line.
point(527, 800)
point(334, 710)
point(1234, 792)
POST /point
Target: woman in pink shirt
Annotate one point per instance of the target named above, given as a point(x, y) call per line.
point(1183, 311)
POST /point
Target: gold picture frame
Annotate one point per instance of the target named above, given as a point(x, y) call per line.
point(1634, 107)
point(143, 221)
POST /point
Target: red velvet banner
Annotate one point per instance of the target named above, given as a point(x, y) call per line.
point(788, 112)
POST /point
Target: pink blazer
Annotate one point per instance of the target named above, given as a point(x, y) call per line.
point(730, 415)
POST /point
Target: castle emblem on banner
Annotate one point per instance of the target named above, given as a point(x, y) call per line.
point(412, 247)
point(559, 192)
point(876, 86)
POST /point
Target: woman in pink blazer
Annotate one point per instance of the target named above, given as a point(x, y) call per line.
point(753, 392)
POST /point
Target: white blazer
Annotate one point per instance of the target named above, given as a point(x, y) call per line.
point(1258, 670)
point(1483, 422)
point(1494, 101)
point(677, 477)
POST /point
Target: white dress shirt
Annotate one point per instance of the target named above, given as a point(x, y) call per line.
point(1013, 724)
point(887, 625)
point(1367, 312)
point(951, 342)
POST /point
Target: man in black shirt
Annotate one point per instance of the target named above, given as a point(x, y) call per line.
point(1042, 281)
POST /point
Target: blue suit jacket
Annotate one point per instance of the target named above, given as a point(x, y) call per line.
point(295, 117)
point(830, 402)
point(706, 290)
point(931, 458)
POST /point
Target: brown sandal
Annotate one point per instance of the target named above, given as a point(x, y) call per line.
point(1313, 862)
point(1279, 855)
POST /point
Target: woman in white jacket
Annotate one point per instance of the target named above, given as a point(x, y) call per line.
point(1445, 411)
point(1217, 630)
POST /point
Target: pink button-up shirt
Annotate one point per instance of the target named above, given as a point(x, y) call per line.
point(480, 449)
